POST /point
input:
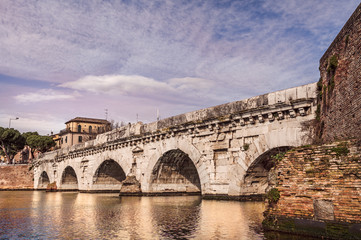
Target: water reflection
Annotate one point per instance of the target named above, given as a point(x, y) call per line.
point(66, 215)
point(175, 217)
point(231, 220)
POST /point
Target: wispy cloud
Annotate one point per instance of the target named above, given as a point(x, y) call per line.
point(31, 122)
point(61, 41)
point(42, 96)
point(143, 87)
point(177, 55)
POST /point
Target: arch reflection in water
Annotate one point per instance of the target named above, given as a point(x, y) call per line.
point(176, 217)
point(52, 213)
point(231, 220)
point(69, 215)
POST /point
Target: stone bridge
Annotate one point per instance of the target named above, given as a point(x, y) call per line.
point(224, 150)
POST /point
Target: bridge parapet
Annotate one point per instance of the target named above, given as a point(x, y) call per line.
point(211, 151)
point(294, 97)
point(276, 106)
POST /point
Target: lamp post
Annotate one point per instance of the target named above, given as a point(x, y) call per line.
point(12, 119)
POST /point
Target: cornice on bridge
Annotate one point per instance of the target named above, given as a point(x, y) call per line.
point(276, 106)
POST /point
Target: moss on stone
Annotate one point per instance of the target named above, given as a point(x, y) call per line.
point(318, 112)
point(337, 230)
point(287, 225)
point(340, 150)
point(245, 146)
point(279, 156)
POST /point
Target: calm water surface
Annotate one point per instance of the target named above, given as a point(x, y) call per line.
point(62, 215)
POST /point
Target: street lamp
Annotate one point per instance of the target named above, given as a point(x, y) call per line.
point(12, 119)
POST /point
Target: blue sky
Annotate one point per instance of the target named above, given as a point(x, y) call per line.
point(63, 59)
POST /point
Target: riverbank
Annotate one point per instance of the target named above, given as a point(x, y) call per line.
point(16, 177)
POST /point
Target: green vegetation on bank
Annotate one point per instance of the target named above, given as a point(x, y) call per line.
point(12, 141)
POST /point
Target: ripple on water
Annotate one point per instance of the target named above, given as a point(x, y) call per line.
point(60, 215)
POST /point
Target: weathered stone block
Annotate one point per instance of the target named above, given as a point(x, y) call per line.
point(323, 210)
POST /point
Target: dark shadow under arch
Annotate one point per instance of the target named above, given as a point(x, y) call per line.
point(175, 172)
point(43, 180)
point(69, 180)
point(109, 173)
point(258, 177)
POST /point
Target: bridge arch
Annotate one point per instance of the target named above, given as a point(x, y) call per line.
point(43, 180)
point(69, 180)
point(185, 146)
point(108, 176)
point(258, 177)
point(175, 172)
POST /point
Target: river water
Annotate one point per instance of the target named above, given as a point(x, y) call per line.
point(71, 215)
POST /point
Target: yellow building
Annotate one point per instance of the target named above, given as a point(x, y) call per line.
point(81, 129)
point(57, 139)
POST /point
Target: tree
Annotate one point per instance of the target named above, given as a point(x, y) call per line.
point(28, 134)
point(32, 149)
point(115, 125)
point(37, 142)
point(11, 141)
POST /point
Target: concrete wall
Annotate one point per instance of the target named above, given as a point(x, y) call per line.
point(16, 177)
point(340, 84)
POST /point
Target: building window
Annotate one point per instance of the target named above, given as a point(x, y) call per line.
point(66, 139)
point(90, 129)
point(79, 128)
point(61, 140)
point(80, 139)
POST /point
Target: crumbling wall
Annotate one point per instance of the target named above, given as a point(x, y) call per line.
point(320, 191)
point(16, 177)
point(339, 107)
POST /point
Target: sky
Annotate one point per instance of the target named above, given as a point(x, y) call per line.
point(131, 59)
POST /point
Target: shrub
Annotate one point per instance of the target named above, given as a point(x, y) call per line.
point(279, 156)
point(333, 62)
point(273, 195)
point(245, 146)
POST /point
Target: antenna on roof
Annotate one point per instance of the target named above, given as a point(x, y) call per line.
point(106, 114)
point(157, 114)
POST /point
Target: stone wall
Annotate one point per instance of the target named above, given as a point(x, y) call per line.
point(340, 84)
point(16, 177)
point(320, 191)
point(320, 186)
point(221, 143)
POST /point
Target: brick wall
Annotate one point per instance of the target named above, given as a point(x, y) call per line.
point(321, 184)
point(16, 177)
point(340, 84)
